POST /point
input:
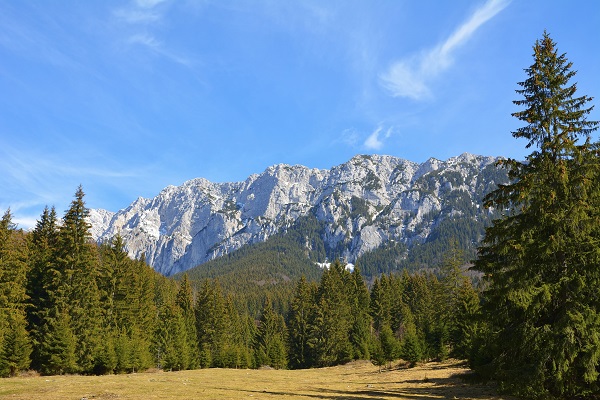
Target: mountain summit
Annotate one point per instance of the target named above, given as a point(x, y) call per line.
point(362, 204)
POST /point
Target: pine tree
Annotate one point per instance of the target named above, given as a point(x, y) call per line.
point(211, 324)
point(127, 296)
point(445, 296)
point(411, 347)
point(15, 344)
point(57, 349)
point(271, 338)
point(331, 321)
point(185, 301)
point(377, 356)
point(301, 310)
point(541, 259)
point(43, 246)
point(78, 266)
point(169, 338)
point(389, 344)
point(143, 282)
point(466, 327)
point(419, 296)
point(360, 332)
point(239, 338)
point(380, 303)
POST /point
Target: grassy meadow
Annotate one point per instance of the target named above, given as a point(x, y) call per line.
point(357, 380)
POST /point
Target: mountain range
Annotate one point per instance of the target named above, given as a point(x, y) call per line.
point(366, 205)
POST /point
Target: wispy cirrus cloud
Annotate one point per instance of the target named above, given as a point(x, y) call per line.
point(141, 12)
point(149, 3)
point(376, 139)
point(411, 77)
point(145, 39)
point(137, 16)
point(44, 178)
point(360, 140)
point(142, 19)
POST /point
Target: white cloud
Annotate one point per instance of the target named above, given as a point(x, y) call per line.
point(140, 12)
point(146, 40)
point(26, 222)
point(137, 16)
point(142, 20)
point(148, 3)
point(45, 179)
point(410, 77)
point(374, 141)
point(349, 137)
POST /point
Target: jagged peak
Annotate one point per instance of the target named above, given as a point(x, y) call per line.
point(200, 220)
point(472, 159)
point(197, 182)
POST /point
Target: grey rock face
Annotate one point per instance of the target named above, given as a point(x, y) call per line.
point(364, 202)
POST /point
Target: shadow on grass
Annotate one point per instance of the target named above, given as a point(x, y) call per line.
point(432, 389)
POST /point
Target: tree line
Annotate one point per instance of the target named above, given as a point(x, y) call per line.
point(69, 305)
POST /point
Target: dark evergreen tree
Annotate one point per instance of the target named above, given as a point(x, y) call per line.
point(466, 327)
point(43, 246)
point(298, 324)
point(185, 301)
point(389, 345)
point(142, 279)
point(380, 303)
point(239, 338)
point(377, 356)
point(270, 344)
point(411, 347)
point(78, 264)
point(212, 324)
point(332, 322)
point(58, 345)
point(419, 296)
point(360, 331)
point(15, 344)
point(169, 338)
point(127, 293)
point(541, 259)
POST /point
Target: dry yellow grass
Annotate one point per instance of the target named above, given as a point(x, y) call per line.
point(358, 380)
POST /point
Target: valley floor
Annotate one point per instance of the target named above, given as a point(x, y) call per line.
point(357, 380)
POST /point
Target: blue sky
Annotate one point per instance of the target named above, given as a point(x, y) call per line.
point(127, 97)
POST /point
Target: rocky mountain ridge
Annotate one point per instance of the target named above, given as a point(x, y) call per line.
point(364, 203)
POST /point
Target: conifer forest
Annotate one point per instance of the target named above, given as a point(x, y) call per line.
point(526, 315)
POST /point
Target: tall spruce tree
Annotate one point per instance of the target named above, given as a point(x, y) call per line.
point(57, 347)
point(331, 321)
point(143, 283)
point(15, 344)
point(185, 301)
point(169, 337)
point(212, 323)
point(541, 260)
point(78, 265)
point(380, 303)
point(270, 343)
point(43, 245)
point(465, 324)
point(360, 332)
point(298, 324)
